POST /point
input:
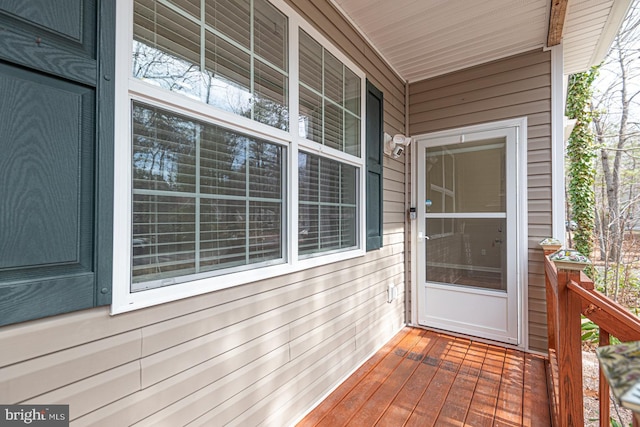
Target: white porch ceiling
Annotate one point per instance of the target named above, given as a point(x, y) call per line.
point(425, 38)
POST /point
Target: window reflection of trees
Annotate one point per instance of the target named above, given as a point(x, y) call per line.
point(219, 66)
point(327, 207)
point(236, 194)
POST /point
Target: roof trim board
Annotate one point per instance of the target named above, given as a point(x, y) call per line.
point(618, 13)
point(556, 21)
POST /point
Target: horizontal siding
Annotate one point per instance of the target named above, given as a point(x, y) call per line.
point(509, 88)
point(469, 75)
point(264, 352)
point(216, 380)
point(167, 371)
point(482, 116)
point(37, 376)
point(490, 98)
point(91, 393)
point(231, 395)
point(503, 81)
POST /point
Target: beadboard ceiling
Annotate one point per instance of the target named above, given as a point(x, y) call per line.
point(425, 38)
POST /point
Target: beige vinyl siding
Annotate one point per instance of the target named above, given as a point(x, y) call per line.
point(514, 87)
point(285, 333)
point(260, 353)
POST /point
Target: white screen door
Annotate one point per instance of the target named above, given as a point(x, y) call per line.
point(467, 245)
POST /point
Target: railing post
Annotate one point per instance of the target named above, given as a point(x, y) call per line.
point(569, 350)
point(569, 345)
point(603, 384)
point(549, 246)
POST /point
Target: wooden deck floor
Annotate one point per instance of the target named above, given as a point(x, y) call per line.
point(424, 378)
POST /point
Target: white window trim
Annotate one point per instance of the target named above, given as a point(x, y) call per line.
point(128, 88)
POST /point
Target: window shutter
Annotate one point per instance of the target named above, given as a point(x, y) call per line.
point(56, 81)
point(375, 140)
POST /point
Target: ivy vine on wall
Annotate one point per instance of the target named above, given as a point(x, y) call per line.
point(580, 160)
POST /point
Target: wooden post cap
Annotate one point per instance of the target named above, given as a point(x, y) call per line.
point(550, 245)
point(569, 259)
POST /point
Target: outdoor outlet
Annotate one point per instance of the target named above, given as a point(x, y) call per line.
point(392, 292)
point(483, 251)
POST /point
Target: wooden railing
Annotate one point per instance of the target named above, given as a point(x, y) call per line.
point(570, 294)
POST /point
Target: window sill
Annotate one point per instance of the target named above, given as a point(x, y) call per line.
point(124, 300)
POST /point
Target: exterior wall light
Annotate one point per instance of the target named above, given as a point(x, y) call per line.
point(394, 146)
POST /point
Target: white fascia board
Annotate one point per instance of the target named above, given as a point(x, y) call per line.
point(617, 14)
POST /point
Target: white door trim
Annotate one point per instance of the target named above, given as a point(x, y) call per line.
point(522, 213)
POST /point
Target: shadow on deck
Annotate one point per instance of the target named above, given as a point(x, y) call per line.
point(425, 378)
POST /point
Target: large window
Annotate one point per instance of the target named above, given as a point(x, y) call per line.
point(204, 198)
point(231, 54)
point(328, 205)
point(330, 96)
point(241, 163)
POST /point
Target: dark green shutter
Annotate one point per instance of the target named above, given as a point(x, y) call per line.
point(375, 140)
point(56, 156)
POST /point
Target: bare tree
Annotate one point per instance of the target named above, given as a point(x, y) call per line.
point(615, 106)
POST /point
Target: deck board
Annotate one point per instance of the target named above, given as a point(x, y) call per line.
point(357, 396)
point(409, 396)
point(374, 408)
point(535, 406)
point(427, 411)
point(456, 407)
point(485, 397)
point(426, 378)
point(314, 417)
point(509, 405)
